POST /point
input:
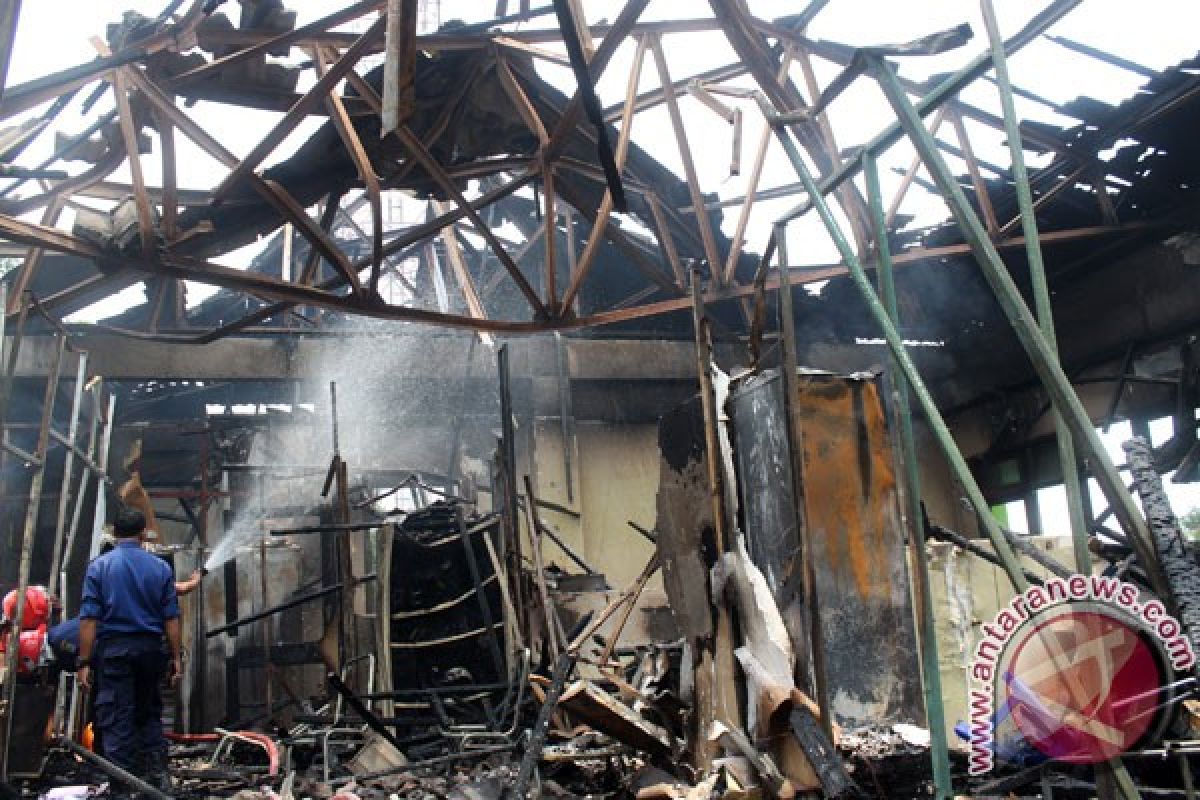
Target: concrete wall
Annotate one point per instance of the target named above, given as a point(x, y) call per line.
point(967, 592)
point(615, 479)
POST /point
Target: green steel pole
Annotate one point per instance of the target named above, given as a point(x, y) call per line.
point(932, 680)
point(937, 97)
point(937, 423)
point(1041, 291)
point(1043, 357)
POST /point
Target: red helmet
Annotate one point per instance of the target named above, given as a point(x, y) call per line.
point(29, 650)
point(37, 607)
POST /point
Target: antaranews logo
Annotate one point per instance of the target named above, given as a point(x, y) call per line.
point(1079, 668)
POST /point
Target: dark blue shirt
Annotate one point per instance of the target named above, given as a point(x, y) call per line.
point(129, 591)
point(64, 642)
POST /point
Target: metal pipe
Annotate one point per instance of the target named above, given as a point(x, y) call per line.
point(945, 91)
point(566, 548)
point(340, 528)
point(29, 458)
point(508, 459)
point(359, 707)
point(963, 543)
point(64, 491)
point(1042, 356)
point(554, 632)
point(566, 413)
point(932, 681)
point(14, 349)
point(789, 367)
point(74, 449)
point(112, 770)
point(32, 511)
point(284, 606)
point(485, 606)
point(77, 512)
point(1037, 277)
point(105, 444)
point(937, 423)
point(651, 536)
point(333, 416)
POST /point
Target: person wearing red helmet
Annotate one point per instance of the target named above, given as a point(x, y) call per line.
point(36, 611)
point(31, 633)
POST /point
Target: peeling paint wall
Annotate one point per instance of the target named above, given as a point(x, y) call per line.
point(967, 592)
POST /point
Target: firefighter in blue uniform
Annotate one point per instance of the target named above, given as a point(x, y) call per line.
point(129, 604)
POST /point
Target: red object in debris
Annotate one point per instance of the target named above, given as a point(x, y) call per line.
point(191, 737)
point(29, 649)
point(37, 607)
point(262, 740)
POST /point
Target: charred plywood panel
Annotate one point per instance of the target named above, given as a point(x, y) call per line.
point(684, 519)
point(849, 509)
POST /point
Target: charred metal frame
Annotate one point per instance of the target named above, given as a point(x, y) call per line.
point(334, 57)
point(36, 462)
point(803, 131)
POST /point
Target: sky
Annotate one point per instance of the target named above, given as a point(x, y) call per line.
point(53, 35)
point(1155, 33)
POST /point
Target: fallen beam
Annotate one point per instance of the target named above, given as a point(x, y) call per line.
point(113, 771)
point(233, 626)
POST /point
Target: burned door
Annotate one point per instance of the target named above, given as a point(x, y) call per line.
point(849, 510)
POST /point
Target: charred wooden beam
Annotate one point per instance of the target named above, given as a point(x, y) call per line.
point(625, 23)
point(400, 64)
point(271, 44)
point(591, 104)
point(362, 162)
point(588, 257)
point(300, 110)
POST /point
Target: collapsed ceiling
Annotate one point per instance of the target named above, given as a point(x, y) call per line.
point(483, 130)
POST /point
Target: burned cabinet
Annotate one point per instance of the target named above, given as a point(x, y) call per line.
point(846, 506)
point(446, 640)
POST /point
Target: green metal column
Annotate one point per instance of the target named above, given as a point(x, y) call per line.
point(1043, 357)
point(931, 675)
point(1041, 291)
point(937, 423)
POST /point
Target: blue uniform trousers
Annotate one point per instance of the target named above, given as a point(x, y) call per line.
point(129, 702)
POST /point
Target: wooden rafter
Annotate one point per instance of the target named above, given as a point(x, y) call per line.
point(588, 257)
point(462, 275)
point(271, 191)
point(33, 259)
point(129, 137)
point(418, 151)
point(689, 166)
point(314, 96)
point(400, 64)
point(760, 158)
point(977, 183)
point(362, 162)
point(581, 51)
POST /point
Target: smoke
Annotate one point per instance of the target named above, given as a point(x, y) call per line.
point(401, 403)
point(402, 398)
